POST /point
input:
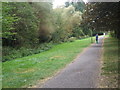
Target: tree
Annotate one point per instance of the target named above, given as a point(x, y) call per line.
point(79, 6)
point(8, 21)
point(45, 16)
point(102, 16)
point(66, 19)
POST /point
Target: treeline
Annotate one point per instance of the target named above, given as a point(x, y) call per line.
point(103, 16)
point(27, 27)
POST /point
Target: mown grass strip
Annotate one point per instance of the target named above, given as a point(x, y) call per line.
point(27, 71)
point(110, 63)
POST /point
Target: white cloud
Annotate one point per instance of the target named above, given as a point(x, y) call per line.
point(57, 3)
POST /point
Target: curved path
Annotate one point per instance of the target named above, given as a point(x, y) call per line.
point(82, 73)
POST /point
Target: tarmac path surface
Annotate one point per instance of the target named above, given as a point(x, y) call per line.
point(84, 72)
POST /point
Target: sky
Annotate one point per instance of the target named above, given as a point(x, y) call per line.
point(57, 3)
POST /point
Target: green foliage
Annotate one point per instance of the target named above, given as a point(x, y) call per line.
point(28, 25)
point(45, 14)
point(8, 21)
point(28, 71)
point(71, 39)
point(10, 53)
point(78, 32)
point(102, 16)
point(112, 34)
point(79, 6)
point(19, 24)
point(39, 24)
point(59, 35)
point(67, 20)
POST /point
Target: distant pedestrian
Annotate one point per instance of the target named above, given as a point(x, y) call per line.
point(97, 38)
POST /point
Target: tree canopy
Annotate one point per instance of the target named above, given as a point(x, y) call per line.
point(33, 23)
point(102, 16)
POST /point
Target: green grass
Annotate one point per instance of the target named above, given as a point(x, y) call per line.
point(10, 53)
point(26, 71)
point(0, 75)
point(110, 62)
point(111, 56)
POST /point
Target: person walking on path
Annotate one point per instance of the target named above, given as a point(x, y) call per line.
point(97, 38)
point(83, 72)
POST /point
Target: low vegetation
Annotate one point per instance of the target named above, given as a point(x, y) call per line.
point(110, 64)
point(27, 71)
point(37, 40)
point(31, 28)
point(10, 53)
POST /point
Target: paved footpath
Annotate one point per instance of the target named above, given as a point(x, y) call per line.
point(82, 73)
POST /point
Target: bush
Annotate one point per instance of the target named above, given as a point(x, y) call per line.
point(112, 34)
point(71, 39)
point(10, 53)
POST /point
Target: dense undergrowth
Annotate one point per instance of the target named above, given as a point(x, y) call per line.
point(10, 53)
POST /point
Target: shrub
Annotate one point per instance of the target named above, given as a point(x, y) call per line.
point(10, 53)
point(71, 39)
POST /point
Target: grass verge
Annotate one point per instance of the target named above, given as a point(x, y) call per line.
point(109, 78)
point(27, 71)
